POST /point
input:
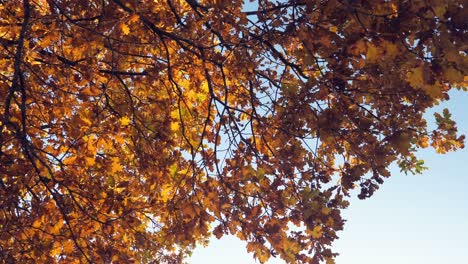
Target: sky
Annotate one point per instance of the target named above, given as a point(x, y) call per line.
point(411, 219)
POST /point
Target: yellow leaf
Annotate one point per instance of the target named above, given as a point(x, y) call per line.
point(116, 166)
point(262, 255)
point(166, 192)
point(394, 8)
point(317, 232)
point(125, 238)
point(244, 116)
point(86, 120)
point(424, 142)
point(124, 121)
point(291, 246)
point(415, 77)
point(241, 236)
point(37, 223)
point(90, 161)
point(417, 80)
point(125, 29)
point(372, 54)
point(69, 160)
point(453, 75)
point(119, 139)
point(174, 126)
point(57, 249)
point(56, 228)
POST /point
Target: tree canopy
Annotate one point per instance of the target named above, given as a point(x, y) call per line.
point(131, 131)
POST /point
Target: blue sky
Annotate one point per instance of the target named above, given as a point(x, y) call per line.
point(412, 219)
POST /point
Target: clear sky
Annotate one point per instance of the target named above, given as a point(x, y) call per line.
point(421, 219)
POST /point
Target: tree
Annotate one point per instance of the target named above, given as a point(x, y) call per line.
point(133, 130)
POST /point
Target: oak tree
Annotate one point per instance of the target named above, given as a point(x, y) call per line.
point(131, 131)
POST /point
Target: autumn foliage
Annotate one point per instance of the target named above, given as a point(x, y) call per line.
point(133, 130)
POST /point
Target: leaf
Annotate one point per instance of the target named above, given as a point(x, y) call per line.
point(175, 126)
point(68, 246)
point(166, 192)
point(134, 18)
point(317, 232)
point(37, 223)
point(415, 77)
point(372, 54)
point(57, 227)
point(218, 231)
point(124, 121)
point(453, 76)
point(440, 10)
point(326, 211)
point(291, 247)
point(116, 166)
point(56, 250)
point(391, 49)
point(125, 29)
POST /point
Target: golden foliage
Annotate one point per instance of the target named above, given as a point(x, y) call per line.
point(130, 128)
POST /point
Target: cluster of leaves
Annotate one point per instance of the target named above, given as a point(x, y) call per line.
point(133, 130)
